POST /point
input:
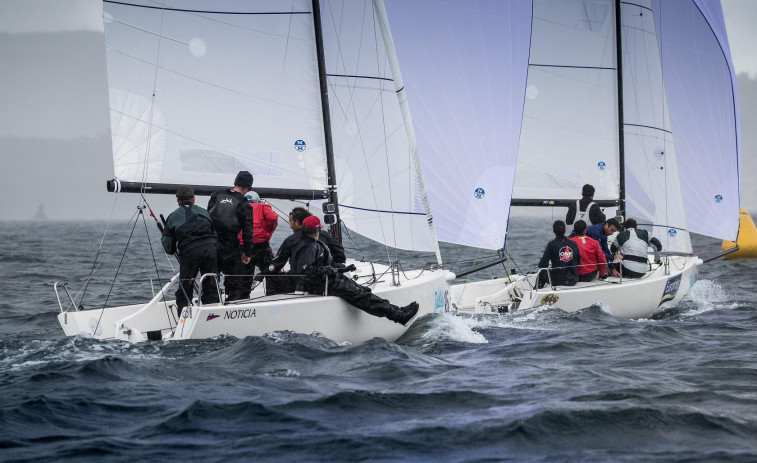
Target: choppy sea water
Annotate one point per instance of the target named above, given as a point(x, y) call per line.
point(537, 385)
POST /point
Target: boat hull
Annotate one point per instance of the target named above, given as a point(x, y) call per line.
point(629, 298)
point(302, 313)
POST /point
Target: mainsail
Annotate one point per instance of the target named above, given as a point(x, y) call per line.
point(201, 90)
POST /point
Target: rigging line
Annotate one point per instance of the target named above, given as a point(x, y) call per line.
point(157, 272)
point(211, 84)
point(113, 283)
point(664, 141)
point(361, 77)
point(225, 23)
point(152, 103)
point(649, 126)
point(99, 249)
point(601, 68)
point(181, 10)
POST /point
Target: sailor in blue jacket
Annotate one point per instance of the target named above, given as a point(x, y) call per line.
point(600, 232)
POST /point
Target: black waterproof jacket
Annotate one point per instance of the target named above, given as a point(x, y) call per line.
point(231, 213)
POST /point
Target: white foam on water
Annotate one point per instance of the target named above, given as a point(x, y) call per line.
point(707, 296)
point(453, 327)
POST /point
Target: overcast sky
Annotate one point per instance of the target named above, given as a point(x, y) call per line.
point(54, 134)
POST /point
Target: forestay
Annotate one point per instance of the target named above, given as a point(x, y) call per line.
point(464, 64)
point(201, 90)
point(701, 90)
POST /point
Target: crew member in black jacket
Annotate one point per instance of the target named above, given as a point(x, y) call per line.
point(231, 213)
point(189, 229)
point(563, 254)
point(312, 267)
point(284, 283)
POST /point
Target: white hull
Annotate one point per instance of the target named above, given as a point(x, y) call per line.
point(629, 298)
point(327, 315)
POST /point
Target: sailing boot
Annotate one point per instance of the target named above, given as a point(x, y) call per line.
point(402, 315)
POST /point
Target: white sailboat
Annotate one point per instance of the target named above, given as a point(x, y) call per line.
point(201, 90)
point(637, 98)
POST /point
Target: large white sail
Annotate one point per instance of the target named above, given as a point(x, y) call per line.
point(464, 65)
point(701, 90)
point(201, 90)
point(570, 124)
point(377, 185)
point(653, 189)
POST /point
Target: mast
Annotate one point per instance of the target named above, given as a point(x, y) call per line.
point(335, 229)
point(621, 141)
point(399, 88)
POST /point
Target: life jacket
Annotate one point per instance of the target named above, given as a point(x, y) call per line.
point(634, 250)
point(224, 213)
point(580, 215)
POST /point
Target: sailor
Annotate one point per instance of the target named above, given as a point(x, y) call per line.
point(264, 223)
point(631, 247)
point(299, 214)
point(189, 230)
point(601, 232)
point(280, 283)
point(593, 260)
point(312, 266)
point(564, 257)
point(231, 214)
point(585, 206)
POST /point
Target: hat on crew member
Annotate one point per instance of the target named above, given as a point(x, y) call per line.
point(311, 223)
point(252, 197)
point(244, 179)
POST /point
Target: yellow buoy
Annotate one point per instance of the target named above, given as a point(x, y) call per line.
point(747, 239)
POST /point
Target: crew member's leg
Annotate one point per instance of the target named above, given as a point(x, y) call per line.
point(362, 298)
point(209, 264)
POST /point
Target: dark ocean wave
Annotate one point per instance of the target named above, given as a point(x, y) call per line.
point(539, 385)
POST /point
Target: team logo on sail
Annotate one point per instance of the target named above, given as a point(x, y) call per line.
point(479, 193)
point(550, 299)
point(718, 199)
point(566, 254)
point(672, 233)
point(602, 165)
point(299, 145)
point(671, 289)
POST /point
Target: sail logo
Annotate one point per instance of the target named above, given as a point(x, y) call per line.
point(671, 289)
point(672, 233)
point(718, 199)
point(300, 145)
point(479, 193)
point(602, 165)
